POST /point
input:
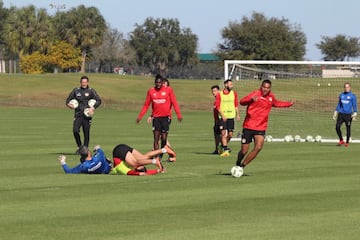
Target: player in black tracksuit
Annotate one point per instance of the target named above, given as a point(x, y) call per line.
point(82, 94)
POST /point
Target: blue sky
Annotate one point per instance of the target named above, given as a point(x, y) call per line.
point(206, 18)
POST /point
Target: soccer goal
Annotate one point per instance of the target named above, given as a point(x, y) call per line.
point(313, 85)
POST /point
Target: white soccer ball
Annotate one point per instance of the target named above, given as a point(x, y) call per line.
point(74, 103)
point(297, 138)
point(237, 171)
point(91, 102)
point(268, 138)
point(89, 112)
point(288, 138)
point(318, 138)
point(309, 138)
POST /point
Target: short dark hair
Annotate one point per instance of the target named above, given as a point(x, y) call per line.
point(83, 150)
point(166, 80)
point(266, 81)
point(215, 86)
point(84, 77)
point(227, 80)
point(158, 76)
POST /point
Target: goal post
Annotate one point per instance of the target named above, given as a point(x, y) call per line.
point(355, 66)
point(314, 86)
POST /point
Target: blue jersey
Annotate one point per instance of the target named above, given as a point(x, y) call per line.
point(97, 165)
point(347, 103)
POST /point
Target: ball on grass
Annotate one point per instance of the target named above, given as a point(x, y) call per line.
point(237, 171)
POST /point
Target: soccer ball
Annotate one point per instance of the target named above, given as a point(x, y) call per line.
point(268, 138)
point(297, 138)
point(288, 138)
point(318, 138)
point(237, 171)
point(91, 102)
point(309, 138)
point(89, 112)
point(74, 103)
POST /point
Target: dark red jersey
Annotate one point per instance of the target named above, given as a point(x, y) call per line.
point(161, 101)
point(257, 112)
point(215, 112)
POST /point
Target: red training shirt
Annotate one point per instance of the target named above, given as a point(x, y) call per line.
point(161, 101)
point(257, 112)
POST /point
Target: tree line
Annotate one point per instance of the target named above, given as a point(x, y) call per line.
point(79, 39)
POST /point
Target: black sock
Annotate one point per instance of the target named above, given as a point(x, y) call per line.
point(239, 159)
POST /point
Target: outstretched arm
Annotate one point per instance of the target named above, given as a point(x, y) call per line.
point(66, 168)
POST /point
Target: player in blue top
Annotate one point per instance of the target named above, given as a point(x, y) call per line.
point(346, 111)
point(90, 164)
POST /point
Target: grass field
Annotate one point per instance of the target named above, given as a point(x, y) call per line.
point(291, 191)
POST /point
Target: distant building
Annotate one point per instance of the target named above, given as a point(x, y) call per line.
point(207, 57)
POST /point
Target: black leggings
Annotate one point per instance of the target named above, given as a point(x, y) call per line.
point(343, 118)
point(85, 123)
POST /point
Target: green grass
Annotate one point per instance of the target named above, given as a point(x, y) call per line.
point(290, 191)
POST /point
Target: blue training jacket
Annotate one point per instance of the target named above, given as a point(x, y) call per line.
point(97, 165)
point(347, 103)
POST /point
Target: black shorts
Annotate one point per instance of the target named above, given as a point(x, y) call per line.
point(228, 125)
point(248, 135)
point(121, 150)
point(344, 118)
point(161, 124)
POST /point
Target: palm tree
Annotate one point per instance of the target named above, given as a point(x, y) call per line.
point(27, 31)
point(81, 27)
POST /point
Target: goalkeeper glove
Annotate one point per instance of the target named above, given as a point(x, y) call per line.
point(62, 159)
point(353, 116)
point(96, 148)
point(335, 115)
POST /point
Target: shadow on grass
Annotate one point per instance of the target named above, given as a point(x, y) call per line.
point(65, 153)
point(229, 174)
point(206, 153)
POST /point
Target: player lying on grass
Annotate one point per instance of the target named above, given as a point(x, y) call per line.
point(90, 164)
point(129, 161)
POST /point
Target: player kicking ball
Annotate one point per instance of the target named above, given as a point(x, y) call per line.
point(259, 104)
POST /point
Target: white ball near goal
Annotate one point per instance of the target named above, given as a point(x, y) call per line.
point(288, 138)
point(318, 138)
point(268, 138)
point(309, 138)
point(237, 171)
point(297, 138)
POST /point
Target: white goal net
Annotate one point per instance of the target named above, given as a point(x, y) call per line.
point(313, 85)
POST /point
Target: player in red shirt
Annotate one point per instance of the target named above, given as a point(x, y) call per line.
point(162, 99)
point(217, 134)
point(259, 104)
